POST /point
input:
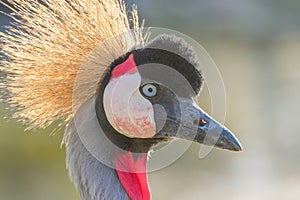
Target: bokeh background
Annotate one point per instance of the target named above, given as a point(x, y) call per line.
point(256, 45)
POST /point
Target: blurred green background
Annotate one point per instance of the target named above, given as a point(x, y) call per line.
point(256, 45)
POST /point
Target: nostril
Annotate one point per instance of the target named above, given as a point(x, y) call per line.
point(200, 122)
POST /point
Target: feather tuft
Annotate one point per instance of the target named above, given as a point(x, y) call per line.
point(46, 47)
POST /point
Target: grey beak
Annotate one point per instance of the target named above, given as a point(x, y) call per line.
point(215, 134)
point(195, 125)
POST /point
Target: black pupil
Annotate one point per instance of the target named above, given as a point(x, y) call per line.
point(150, 90)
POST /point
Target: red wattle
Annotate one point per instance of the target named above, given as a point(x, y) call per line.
point(127, 67)
point(133, 176)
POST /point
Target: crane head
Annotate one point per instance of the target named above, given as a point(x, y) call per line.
point(142, 97)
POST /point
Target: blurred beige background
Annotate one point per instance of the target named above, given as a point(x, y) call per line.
point(256, 45)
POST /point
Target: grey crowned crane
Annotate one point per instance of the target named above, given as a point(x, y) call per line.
point(80, 62)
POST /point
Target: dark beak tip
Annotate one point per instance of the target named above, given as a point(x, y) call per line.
point(236, 146)
point(229, 142)
point(238, 149)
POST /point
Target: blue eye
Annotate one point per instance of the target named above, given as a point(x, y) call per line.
point(149, 90)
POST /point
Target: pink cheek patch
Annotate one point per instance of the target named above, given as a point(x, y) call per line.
point(142, 129)
point(126, 109)
point(134, 117)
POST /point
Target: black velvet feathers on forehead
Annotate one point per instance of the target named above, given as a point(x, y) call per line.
point(171, 51)
point(174, 52)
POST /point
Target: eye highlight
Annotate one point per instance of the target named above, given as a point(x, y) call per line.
point(150, 90)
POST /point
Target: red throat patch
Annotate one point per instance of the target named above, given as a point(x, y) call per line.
point(133, 176)
point(127, 67)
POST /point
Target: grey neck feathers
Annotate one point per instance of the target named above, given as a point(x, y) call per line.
point(94, 180)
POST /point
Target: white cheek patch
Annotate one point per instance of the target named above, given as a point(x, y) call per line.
point(126, 109)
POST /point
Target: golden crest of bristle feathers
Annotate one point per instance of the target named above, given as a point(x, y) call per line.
point(46, 47)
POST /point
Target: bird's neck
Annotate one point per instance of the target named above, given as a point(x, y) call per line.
point(127, 179)
point(100, 160)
